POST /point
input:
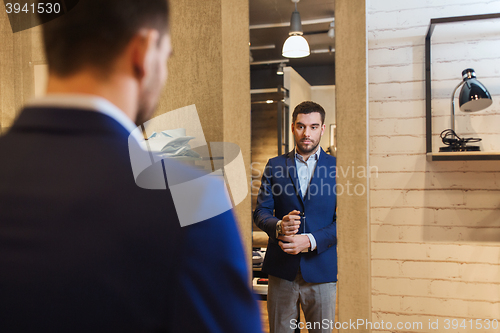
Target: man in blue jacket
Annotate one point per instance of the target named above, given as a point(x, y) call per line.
point(83, 248)
point(296, 208)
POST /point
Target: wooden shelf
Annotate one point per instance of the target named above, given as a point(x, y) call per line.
point(464, 156)
point(458, 156)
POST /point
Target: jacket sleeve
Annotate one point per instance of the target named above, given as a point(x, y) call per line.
point(263, 215)
point(211, 285)
point(327, 236)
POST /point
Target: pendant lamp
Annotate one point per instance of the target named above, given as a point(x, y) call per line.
point(296, 45)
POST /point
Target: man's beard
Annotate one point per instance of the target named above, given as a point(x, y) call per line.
point(308, 150)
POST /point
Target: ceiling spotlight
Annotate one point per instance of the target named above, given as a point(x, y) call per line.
point(331, 31)
point(296, 45)
point(280, 69)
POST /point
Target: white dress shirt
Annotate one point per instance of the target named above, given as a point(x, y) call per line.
point(305, 171)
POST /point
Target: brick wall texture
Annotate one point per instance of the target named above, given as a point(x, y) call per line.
point(435, 226)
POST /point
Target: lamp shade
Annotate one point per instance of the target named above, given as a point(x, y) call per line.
point(473, 96)
point(295, 47)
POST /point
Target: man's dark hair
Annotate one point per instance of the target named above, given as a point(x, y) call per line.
point(308, 107)
point(95, 32)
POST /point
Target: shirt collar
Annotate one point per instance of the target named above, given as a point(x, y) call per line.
point(314, 156)
point(87, 102)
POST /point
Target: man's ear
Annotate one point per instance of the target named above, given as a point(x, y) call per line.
point(143, 46)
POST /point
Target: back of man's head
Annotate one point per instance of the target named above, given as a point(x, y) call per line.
point(95, 32)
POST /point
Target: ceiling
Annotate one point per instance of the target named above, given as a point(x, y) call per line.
point(268, 12)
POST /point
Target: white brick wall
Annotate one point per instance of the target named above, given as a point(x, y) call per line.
point(435, 231)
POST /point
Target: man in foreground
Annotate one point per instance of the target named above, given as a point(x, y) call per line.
point(82, 247)
point(296, 208)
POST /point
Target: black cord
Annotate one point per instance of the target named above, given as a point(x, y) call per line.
point(450, 138)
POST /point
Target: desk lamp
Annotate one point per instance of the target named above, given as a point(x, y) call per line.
point(473, 97)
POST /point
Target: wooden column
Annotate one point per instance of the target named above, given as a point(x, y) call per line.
point(19, 52)
point(210, 68)
point(352, 150)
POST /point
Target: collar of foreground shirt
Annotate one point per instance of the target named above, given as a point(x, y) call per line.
point(86, 102)
point(316, 154)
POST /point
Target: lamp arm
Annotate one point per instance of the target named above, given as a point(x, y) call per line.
point(453, 106)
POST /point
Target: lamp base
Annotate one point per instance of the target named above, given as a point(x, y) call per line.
point(450, 149)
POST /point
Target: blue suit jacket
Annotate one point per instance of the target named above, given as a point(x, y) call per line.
point(84, 249)
point(280, 194)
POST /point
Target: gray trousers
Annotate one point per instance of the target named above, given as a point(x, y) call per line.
point(317, 300)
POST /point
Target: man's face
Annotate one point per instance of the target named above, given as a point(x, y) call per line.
point(154, 80)
point(308, 130)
